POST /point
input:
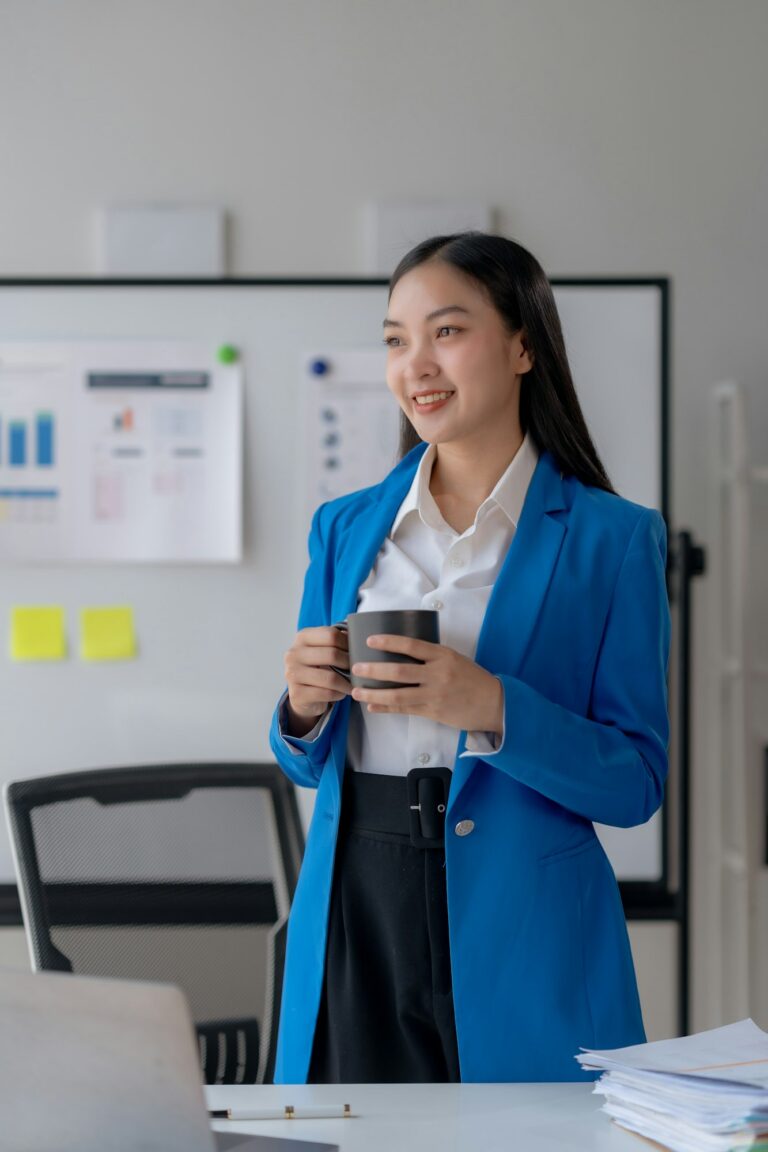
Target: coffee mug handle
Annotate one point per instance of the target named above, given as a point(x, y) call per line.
point(342, 626)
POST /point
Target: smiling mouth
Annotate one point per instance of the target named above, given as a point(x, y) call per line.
point(431, 399)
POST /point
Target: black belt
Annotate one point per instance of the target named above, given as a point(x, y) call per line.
point(412, 805)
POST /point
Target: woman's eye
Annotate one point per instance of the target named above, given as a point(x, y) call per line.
point(390, 340)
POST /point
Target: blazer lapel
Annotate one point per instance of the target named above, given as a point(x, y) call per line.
point(518, 594)
point(360, 544)
point(358, 548)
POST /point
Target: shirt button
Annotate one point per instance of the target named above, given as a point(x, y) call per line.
point(464, 827)
point(457, 562)
point(437, 605)
point(424, 758)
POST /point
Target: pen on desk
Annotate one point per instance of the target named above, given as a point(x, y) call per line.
point(289, 1112)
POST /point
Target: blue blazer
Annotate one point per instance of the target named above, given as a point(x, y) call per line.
point(577, 631)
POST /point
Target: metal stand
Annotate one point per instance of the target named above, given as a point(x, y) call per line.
point(657, 902)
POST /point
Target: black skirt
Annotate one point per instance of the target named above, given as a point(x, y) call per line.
point(386, 1013)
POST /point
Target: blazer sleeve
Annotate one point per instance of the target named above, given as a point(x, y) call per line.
point(609, 766)
point(303, 760)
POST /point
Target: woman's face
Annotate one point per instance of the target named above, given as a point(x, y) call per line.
point(447, 344)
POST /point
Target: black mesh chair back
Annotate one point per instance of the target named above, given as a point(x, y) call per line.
point(180, 873)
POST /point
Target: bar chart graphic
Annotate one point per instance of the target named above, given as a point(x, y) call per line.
point(30, 493)
point(18, 443)
point(44, 428)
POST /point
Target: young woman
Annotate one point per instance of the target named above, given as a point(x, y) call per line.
point(479, 935)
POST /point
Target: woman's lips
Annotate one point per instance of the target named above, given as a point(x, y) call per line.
point(432, 407)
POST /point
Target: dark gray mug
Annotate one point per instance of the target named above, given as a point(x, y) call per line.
point(421, 623)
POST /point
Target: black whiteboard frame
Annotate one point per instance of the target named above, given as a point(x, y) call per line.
point(643, 900)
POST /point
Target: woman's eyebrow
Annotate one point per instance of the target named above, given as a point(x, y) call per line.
point(432, 315)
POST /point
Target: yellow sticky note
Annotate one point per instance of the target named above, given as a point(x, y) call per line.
point(37, 633)
point(107, 634)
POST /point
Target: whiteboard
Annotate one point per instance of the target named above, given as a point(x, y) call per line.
point(212, 636)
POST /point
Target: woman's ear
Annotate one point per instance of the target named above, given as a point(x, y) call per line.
point(522, 353)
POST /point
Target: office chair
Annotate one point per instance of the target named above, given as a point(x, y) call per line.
point(177, 873)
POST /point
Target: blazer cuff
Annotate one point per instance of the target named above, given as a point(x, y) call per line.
point(299, 745)
point(486, 744)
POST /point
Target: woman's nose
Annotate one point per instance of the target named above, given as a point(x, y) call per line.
point(421, 363)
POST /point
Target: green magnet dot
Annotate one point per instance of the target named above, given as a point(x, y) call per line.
point(228, 354)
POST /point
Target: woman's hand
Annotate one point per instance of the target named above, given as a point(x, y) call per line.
point(312, 683)
point(449, 688)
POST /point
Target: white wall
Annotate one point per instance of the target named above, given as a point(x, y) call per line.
point(614, 136)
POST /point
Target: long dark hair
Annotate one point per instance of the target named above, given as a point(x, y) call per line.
point(521, 293)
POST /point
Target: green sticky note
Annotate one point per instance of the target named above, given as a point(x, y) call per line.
point(228, 354)
point(107, 634)
point(37, 633)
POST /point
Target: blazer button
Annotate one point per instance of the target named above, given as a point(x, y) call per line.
point(464, 827)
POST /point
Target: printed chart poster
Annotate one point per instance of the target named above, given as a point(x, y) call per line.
point(352, 422)
point(120, 452)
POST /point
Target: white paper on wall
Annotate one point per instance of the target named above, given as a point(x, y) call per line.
point(352, 422)
point(120, 452)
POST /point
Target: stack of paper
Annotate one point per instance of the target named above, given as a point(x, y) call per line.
point(696, 1094)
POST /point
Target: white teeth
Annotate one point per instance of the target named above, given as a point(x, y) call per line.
point(432, 398)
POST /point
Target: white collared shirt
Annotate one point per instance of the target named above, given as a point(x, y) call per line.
point(425, 563)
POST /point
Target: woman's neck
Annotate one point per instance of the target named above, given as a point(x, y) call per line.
point(462, 473)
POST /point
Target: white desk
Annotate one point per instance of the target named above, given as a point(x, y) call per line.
point(438, 1117)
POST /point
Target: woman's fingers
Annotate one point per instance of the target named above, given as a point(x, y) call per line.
point(307, 676)
point(326, 678)
point(318, 657)
point(406, 645)
point(319, 646)
point(324, 637)
point(400, 673)
point(312, 698)
point(312, 681)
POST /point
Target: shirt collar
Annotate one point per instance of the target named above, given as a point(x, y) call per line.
point(509, 493)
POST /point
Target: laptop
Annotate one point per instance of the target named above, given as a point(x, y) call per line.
point(92, 1065)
